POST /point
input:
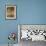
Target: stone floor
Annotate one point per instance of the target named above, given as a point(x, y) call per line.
point(34, 43)
point(28, 43)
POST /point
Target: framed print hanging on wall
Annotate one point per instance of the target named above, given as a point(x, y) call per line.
point(10, 12)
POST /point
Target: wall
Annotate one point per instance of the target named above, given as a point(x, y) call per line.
point(6, 26)
point(28, 12)
point(32, 11)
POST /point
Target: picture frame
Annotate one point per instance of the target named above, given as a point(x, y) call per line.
point(10, 12)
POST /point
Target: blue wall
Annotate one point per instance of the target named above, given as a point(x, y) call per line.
point(32, 11)
point(28, 12)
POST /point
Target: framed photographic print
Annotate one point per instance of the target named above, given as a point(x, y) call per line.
point(10, 12)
